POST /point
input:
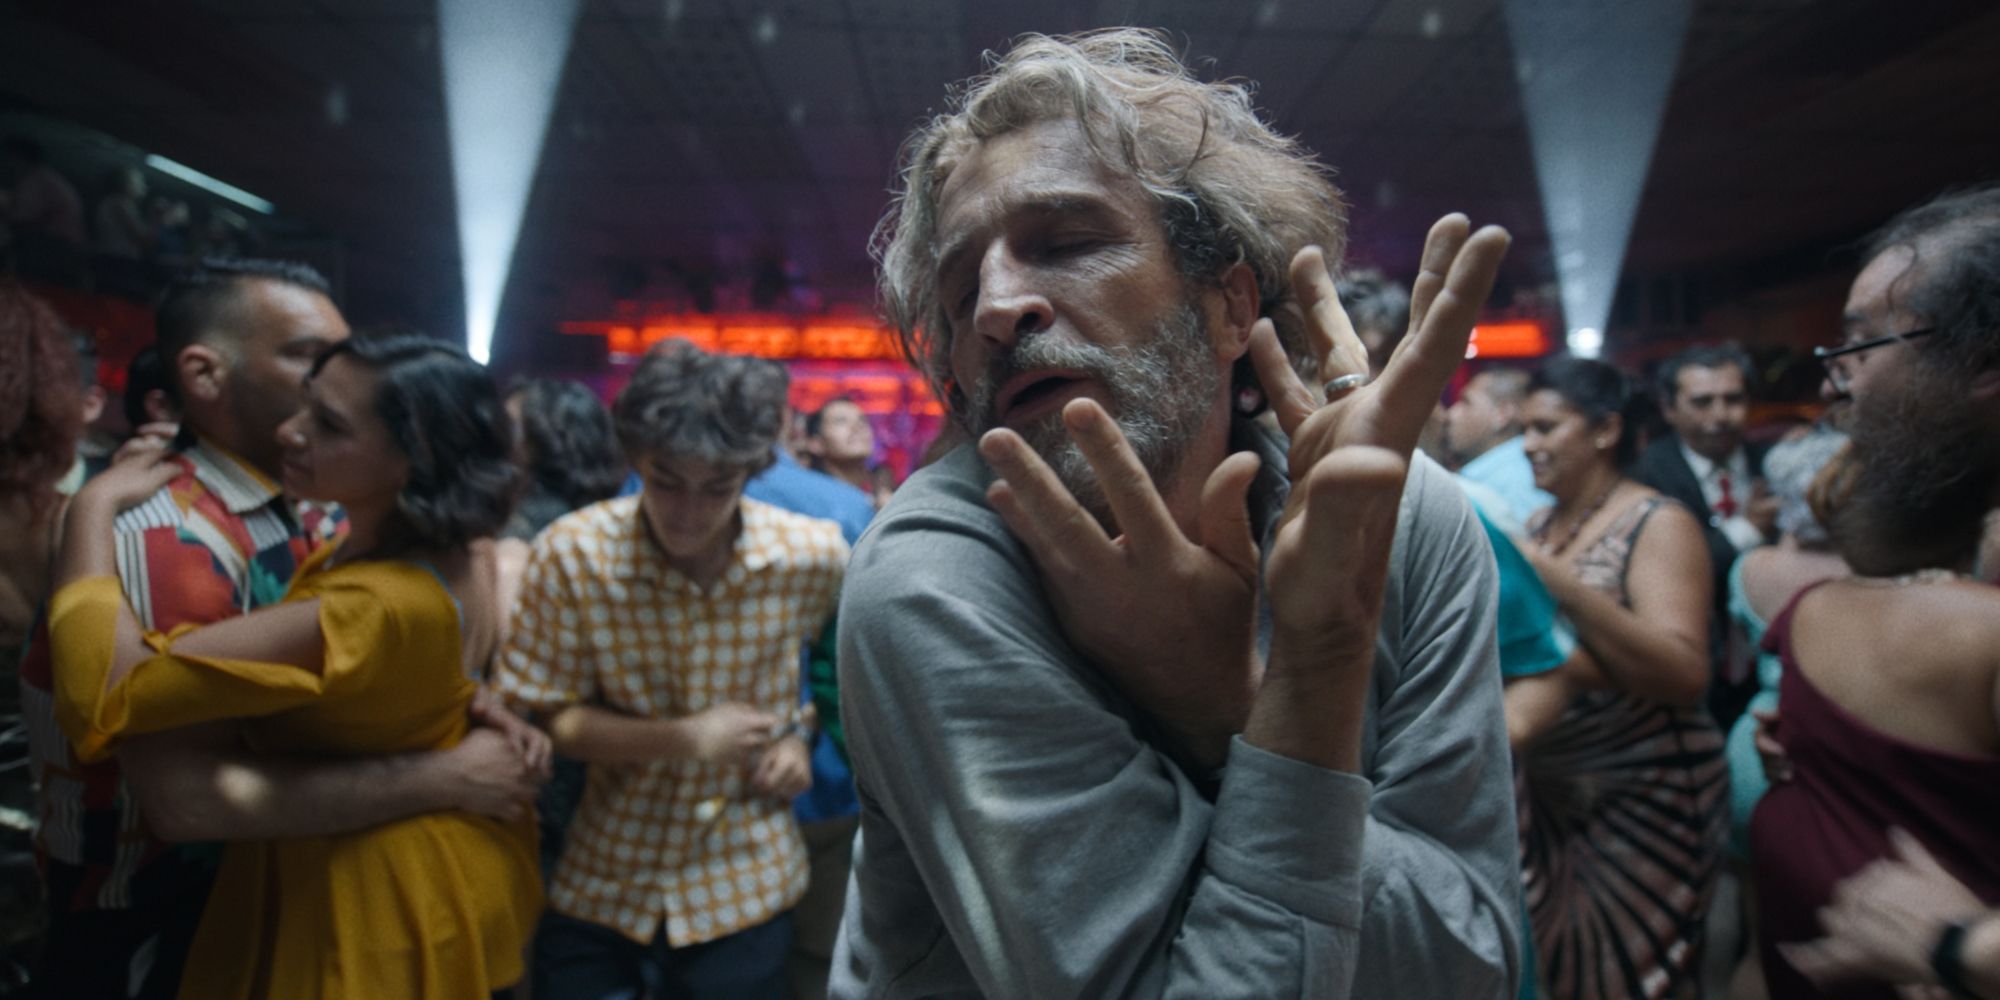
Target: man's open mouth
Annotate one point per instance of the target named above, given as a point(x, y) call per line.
point(1032, 394)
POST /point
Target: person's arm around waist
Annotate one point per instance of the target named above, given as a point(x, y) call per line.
point(200, 784)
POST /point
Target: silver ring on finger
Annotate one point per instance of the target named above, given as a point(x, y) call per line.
point(1341, 386)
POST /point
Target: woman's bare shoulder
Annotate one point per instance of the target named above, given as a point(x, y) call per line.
point(1950, 618)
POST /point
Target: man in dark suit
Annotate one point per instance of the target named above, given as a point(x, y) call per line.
point(1705, 463)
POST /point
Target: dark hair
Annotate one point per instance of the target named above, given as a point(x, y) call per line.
point(721, 409)
point(1959, 296)
point(1374, 302)
point(445, 414)
point(1668, 379)
point(41, 404)
point(199, 303)
point(143, 375)
point(25, 148)
point(1596, 390)
point(571, 447)
point(817, 418)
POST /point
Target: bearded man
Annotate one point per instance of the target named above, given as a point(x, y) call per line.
point(1122, 719)
point(1919, 373)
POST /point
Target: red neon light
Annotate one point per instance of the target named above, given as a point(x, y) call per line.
point(1509, 339)
point(762, 335)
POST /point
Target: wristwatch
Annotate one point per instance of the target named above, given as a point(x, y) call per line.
point(1948, 959)
point(794, 727)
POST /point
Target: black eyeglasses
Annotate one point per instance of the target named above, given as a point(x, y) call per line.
point(1836, 371)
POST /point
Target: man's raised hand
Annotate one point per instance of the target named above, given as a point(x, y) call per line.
point(1456, 276)
point(1168, 617)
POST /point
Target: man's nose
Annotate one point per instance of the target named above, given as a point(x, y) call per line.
point(1011, 303)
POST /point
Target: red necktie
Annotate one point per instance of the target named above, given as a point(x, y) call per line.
point(1727, 505)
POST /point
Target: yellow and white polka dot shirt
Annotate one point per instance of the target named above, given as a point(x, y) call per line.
point(602, 619)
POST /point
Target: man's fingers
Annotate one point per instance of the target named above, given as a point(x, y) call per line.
point(1225, 513)
point(766, 769)
point(1128, 488)
point(1291, 402)
point(1037, 507)
point(1820, 961)
point(1329, 333)
point(1441, 246)
point(1351, 501)
point(1424, 361)
point(1908, 848)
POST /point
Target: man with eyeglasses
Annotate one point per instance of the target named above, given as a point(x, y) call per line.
point(1919, 368)
point(1841, 362)
point(1918, 374)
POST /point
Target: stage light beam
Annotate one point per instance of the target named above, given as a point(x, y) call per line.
point(1594, 79)
point(503, 61)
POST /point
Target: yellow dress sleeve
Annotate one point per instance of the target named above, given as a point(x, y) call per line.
point(168, 691)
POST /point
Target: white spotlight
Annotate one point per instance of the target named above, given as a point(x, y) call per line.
point(1594, 85)
point(502, 62)
point(1586, 342)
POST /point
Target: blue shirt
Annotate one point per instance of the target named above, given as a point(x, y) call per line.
point(798, 489)
point(1504, 469)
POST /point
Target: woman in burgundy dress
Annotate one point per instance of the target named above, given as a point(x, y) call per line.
point(1889, 712)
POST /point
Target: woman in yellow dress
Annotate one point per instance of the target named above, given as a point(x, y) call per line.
point(371, 653)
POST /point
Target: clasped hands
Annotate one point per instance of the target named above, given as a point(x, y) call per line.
point(1168, 608)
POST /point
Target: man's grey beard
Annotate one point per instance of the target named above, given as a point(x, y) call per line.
point(1927, 471)
point(1160, 393)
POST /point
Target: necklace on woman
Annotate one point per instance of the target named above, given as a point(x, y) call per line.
point(1541, 533)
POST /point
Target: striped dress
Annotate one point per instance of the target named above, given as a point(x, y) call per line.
point(1624, 813)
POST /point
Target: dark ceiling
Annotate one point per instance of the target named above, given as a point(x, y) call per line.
point(695, 142)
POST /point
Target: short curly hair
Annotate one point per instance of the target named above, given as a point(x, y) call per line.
point(41, 397)
point(1229, 188)
point(572, 450)
point(722, 409)
point(445, 414)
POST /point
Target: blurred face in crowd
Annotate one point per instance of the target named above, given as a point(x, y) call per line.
point(337, 449)
point(690, 506)
point(1059, 285)
point(844, 434)
point(1871, 312)
point(1709, 409)
point(1477, 421)
point(1562, 445)
point(1926, 452)
point(246, 379)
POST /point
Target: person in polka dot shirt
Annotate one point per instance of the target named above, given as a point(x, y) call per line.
point(658, 638)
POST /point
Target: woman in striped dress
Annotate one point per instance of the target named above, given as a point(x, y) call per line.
point(1624, 802)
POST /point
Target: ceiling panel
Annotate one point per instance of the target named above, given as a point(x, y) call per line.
point(719, 132)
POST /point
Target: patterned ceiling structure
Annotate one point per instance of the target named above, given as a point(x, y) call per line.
point(704, 148)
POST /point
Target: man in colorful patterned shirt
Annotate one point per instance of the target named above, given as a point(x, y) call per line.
point(220, 540)
point(659, 637)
